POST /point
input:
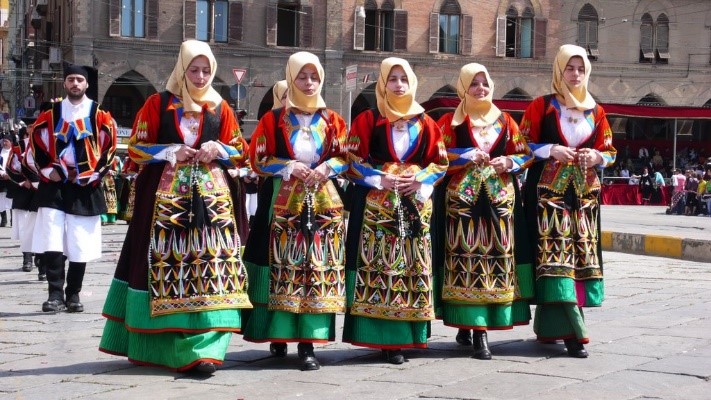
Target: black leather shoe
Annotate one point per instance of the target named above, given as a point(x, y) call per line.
point(203, 368)
point(481, 346)
point(309, 362)
point(53, 306)
point(464, 337)
point(27, 267)
point(41, 277)
point(73, 304)
point(575, 348)
point(278, 349)
point(394, 356)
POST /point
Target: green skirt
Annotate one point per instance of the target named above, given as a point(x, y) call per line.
point(559, 314)
point(263, 325)
point(174, 341)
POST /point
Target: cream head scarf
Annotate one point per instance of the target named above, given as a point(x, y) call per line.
point(481, 112)
point(390, 105)
point(295, 98)
point(579, 97)
point(193, 98)
point(278, 92)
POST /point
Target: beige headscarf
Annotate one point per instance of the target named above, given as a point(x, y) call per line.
point(481, 112)
point(192, 97)
point(295, 98)
point(390, 105)
point(578, 98)
point(278, 92)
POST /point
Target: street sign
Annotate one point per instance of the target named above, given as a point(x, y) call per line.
point(239, 74)
point(238, 92)
point(351, 77)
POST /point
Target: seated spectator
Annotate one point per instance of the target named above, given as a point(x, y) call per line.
point(625, 172)
point(643, 154)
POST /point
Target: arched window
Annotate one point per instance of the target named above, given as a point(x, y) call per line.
point(587, 30)
point(379, 26)
point(646, 44)
point(516, 35)
point(662, 39)
point(449, 20)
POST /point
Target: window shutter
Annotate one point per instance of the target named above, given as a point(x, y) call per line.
point(400, 28)
point(501, 36)
point(434, 33)
point(307, 26)
point(272, 24)
point(539, 38)
point(358, 31)
point(465, 43)
point(152, 19)
point(235, 21)
point(114, 17)
point(646, 43)
point(583, 33)
point(189, 19)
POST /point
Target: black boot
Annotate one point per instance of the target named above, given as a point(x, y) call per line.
point(75, 277)
point(54, 262)
point(481, 346)
point(27, 261)
point(575, 348)
point(308, 359)
point(41, 269)
point(278, 349)
point(464, 337)
point(394, 356)
point(3, 219)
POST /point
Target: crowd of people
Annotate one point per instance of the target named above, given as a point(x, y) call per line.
point(396, 222)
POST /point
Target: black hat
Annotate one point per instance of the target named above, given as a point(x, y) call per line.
point(73, 69)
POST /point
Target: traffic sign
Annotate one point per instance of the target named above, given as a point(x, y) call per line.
point(238, 92)
point(351, 77)
point(239, 74)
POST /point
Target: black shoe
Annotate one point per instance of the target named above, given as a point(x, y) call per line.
point(575, 348)
point(481, 346)
point(73, 304)
point(394, 356)
point(53, 306)
point(203, 368)
point(308, 359)
point(27, 262)
point(278, 349)
point(41, 277)
point(464, 337)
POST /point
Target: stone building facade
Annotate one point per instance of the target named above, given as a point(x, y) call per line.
point(643, 51)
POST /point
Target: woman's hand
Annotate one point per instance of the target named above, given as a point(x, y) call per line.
point(317, 176)
point(589, 157)
point(562, 153)
point(501, 164)
point(481, 157)
point(185, 153)
point(208, 152)
point(301, 171)
point(389, 182)
point(407, 184)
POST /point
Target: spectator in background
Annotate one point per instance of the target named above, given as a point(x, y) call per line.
point(643, 154)
point(690, 188)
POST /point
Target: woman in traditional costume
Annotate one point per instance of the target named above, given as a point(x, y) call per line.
point(295, 253)
point(180, 284)
point(397, 157)
point(570, 137)
point(484, 258)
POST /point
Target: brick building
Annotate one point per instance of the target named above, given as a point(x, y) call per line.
point(643, 51)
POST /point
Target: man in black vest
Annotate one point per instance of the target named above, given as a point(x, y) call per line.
point(72, 146)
